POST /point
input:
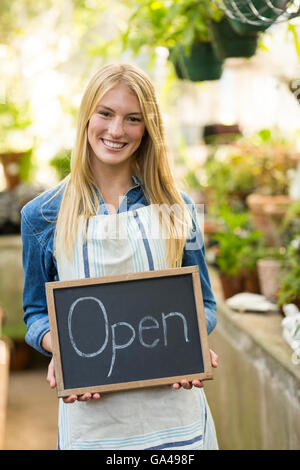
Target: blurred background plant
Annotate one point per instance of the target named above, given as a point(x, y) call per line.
point(16, 142)
point(182, 27)
point(169, 23)
point(239, 244)
point(291, 221)
point(239, 247)
point(259, 164)
point(15, 120)
point(61, 163)
point(289, 290)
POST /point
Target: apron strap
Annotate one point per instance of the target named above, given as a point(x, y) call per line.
point(86, 255)
point(145, 241)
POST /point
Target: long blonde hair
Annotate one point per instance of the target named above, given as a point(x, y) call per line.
point(150, 164)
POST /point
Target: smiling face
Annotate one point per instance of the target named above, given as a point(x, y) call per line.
point(116, 128)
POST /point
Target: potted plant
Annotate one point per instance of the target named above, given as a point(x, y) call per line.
point(228, 175)
point(16, 151)
point(291, 223)
point(239, 248)
point(198, 63)
point(270, 200)
point(227, 43)
point(182, 28)
point(269, 268)
point(289, 289)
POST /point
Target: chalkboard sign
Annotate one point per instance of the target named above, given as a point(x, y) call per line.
point(128, 331)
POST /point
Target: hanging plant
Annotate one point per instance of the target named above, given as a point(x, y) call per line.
point(183, 28)
point(227, 43)
point(199, 64)
point(267, 14)
point(290, 282)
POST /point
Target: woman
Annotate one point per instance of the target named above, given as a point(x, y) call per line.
point(119, 171)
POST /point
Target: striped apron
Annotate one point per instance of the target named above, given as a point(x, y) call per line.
point(153, 418)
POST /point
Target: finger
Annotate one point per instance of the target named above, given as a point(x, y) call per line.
point(176, 386)
point(51, 375)
point(70, 399)
point(214, 358)
point(186, 385)
point(52, 381)
point(96, 396)
point(84, 397)
point(197, 383)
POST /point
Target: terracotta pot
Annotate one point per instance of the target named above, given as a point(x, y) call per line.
point(269, 273)
point(11, 168)
point(231, 285)
point(267, 214)
point(21, 355)
point(251, 282)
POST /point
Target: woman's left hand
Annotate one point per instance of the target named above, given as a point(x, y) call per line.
point(197, 383)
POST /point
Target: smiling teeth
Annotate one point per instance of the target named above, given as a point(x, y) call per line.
point(113, 144)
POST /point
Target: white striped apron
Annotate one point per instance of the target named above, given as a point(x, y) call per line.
point(154, 418)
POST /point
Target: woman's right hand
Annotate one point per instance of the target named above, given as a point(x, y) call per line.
point(71, 398)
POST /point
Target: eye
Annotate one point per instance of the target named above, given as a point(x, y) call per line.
point(134, 119)
point(104, 113)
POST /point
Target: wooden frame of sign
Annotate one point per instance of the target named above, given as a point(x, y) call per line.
point(61, 341)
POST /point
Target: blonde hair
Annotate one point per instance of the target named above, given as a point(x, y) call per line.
point(150, 164)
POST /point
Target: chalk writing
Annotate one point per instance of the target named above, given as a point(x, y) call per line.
point(142, 327)
point(102, 308)
point(146, 323)
point(174, 314)
point(119, 346)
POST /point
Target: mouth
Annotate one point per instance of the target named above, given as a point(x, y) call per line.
point(113, 144)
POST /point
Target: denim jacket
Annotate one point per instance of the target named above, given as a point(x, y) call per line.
point(39, 263)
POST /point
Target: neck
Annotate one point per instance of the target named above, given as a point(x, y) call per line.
point(113, 182)
point(113, 179)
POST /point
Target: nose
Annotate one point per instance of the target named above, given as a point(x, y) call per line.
point(116, 128)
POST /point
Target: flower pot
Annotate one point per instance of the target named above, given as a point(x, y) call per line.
point(199, 65)
point(11, 167)
point(269, 273)
point(269, 13)
point(267, 214)
point(231, 285)
point(251, 281)
point(21, 356)
point(227, 43)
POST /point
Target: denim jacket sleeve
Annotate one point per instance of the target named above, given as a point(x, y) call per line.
point(194, 255)
point(39, 267)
